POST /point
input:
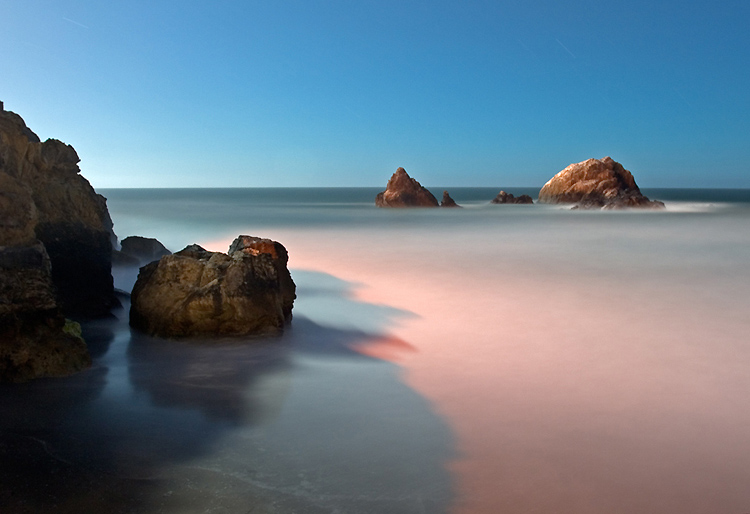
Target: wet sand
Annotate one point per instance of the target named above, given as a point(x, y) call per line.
point(304, 423)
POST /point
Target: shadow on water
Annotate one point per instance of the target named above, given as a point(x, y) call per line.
point(304, 423)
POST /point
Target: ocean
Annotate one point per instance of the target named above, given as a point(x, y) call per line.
point(492, 359)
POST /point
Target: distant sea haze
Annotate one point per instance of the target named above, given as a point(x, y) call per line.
point(491, 359)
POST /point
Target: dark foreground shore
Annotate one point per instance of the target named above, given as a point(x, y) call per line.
point(304, 424)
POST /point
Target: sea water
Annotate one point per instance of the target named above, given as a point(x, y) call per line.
point(495, 358)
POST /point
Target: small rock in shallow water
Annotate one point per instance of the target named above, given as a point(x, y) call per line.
point(448, 201)
point(503, 197)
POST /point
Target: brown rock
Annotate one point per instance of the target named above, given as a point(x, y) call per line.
point(404, 191)
point(35, 339)
point(596, 184)
point(254, 246)
point(448, 201)
point(141, 250)
point(197, 293)
point(503, 197)
point(45, 198)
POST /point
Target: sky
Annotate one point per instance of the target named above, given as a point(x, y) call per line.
point(251, 93)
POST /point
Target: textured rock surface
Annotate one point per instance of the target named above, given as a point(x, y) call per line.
point(404, 191)
point(503, 197)
point(448, 201)
point(596, 183)
point(142, 250)
point(34, 338)
point(196, 293)
point(44, 197)
point(252, 245)
point(55, 251)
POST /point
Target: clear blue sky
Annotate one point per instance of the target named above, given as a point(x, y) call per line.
point(300, 93)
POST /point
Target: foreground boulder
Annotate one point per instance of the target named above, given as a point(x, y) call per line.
point(197, 293)
point(448, 201)
point(503, 197)
point(43, 197)
point(596, 183)
point(35, 338)
point(404, 191)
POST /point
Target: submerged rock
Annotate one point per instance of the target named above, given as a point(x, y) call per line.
point(595, 183)
point(195, 292)
point(404, 191)
point(503, 197)
point(448, 201)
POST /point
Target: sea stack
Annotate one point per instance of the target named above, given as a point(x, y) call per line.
point(404, 191)
point(448, 201)
point(596, 184)
point(198, 293)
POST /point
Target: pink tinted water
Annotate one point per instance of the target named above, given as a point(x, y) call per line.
point(590, 367)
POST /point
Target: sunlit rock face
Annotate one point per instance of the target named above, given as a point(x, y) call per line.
point(197, 293)
point(596, 183)
point(448, 201)
point(404, 191)
point(503, 197)
point(44, 197)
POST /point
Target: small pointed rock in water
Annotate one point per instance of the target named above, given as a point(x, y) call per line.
point(448, 201)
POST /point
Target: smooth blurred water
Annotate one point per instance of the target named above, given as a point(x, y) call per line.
point(496, 358)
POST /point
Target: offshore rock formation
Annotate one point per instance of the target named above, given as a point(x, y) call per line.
point(43, 197)
point(404, 191)
point(595, 183)
point(195, 293)
point(503, 197)
point(448, 201)
point(137, 251)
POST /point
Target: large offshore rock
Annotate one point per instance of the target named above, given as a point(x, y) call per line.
point(596, 183)
point(44, 197)
point(197, 293)
point(35, 339)
point(404, 191)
